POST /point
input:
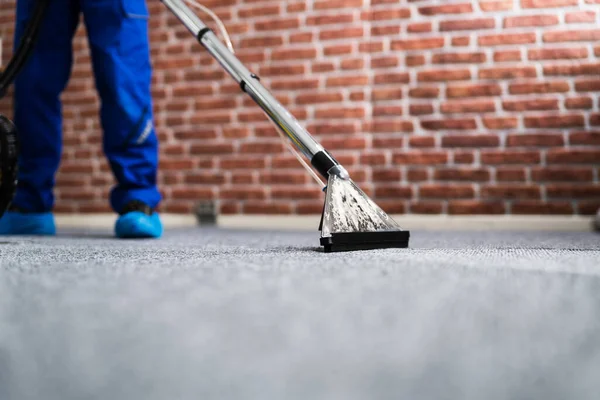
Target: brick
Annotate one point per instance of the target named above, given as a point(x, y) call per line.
point(384, 62)
point(244, 162)
point(573, 156)
point(464, 157)
point(580, 17)
point(204, 178)
point(547, 3)
point(387, 110)
point(470, 207)
point(461, 41)
point(424, 92)
point(595, 119)
point(562, 174)
point(419, 158)
point(510, 175)
point(295, 192)
point(303, 37)
point(422, 142)
point(337, 49)
point(333, 4)
point(459, 58)
point(254, 207)
point(573, 191)
point(415, 60)
point(393, 191)
point(347, 81)
point(449, 124)
point(417, 175)
point(379, 94)
point(426, 207)
point(211, 148)
point(587, 207)
point(579, 103)
point(418, 44)
point(476, 141)
point(392, 125)
point(296, 54)
point(585, 138)
point(392, 206)
point(342, 33)
point(420, 109)
point(473, 90)
point(391, 77)
point(444, 75)
point(496, 5)
point(530, 105)
point(319, 97)
point(345, 143)
point(587, 85)
point(500, 122)
point(386, 175)
point(461, 8)
point(329, 19)
point(554, 121)
point(538, 87)
point(193, 193)
point(467, 24)
point(495, 73)
point(419, 27)
point(507, 55)
point(370, 47)
point(506, 39)
point(444, 191)
point(535, 140)
point(510, 191)
point(558, 53)
point(462, 174)
point(278, 70)
point(332, 128)
point(386, 14)
point(531, 20)
point(572, 69)
point(510, 157)
point(259, 11)
point(532, 207)
point(277, 24)
point(265, 41)
point(388, 142)
point(572, 36)
point(385, 30)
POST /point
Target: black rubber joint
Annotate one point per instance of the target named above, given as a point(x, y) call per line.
point(323, 162)
point(203, 32)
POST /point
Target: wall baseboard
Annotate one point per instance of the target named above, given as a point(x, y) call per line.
point(311, 222)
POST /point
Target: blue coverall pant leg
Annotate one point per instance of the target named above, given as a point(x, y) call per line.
point(118, 37)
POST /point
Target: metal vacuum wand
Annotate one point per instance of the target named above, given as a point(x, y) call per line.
point(323, 162)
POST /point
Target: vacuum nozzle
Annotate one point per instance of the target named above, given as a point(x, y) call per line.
point(352, 221)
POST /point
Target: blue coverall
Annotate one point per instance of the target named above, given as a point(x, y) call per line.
point(118, 38)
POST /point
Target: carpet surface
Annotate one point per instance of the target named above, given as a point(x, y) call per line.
point(228, 314)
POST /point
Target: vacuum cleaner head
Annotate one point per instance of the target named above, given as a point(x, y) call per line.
point(352, 221)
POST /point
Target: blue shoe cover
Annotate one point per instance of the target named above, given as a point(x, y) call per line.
point(16, 223)
point(138, 225)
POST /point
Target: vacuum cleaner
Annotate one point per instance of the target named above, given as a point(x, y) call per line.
point(9, 139)
point(350, 219)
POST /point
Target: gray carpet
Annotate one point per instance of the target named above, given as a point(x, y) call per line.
point(216, 314)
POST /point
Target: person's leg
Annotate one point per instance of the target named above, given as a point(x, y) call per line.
point(119, 42)
point(38, 115)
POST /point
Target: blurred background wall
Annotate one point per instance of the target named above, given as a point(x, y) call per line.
point(435, 107)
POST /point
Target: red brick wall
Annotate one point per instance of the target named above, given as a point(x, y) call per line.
point(456, 107)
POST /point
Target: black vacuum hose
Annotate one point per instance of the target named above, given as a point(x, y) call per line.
point(9, 140)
